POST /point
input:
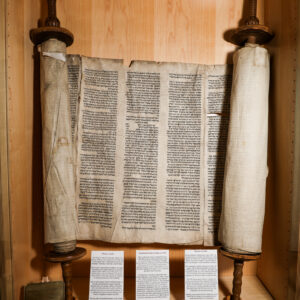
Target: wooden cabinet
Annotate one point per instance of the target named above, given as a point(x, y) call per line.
point(161, 30)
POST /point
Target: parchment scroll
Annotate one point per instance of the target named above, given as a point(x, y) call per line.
point(58, 163)
point(137, 154)
point(246, 169)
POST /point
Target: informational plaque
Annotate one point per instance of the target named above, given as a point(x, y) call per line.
point(201, 275)
point(107, 275)
point(152, 275)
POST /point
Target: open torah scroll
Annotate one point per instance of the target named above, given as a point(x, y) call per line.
point(145, 149)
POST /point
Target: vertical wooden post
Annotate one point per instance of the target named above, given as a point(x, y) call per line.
point(237, 279)
point(252, 31)
point(66, 259)
point(52, 19)
point(239, 260)
point(67, 275)
point(252, 7)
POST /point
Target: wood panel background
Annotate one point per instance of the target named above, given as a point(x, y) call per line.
point(5, 238)
point(162, 30)
point(273, 267)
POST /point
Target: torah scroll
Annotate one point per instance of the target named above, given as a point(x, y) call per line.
point(246, 169)
point(58, 164)
point(137, 154)
point(147, 143)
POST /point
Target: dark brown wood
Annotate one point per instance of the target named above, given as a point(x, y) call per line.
point(252, 7)
point(257, 34)
point(239, 256)
point(252, 31)
point(52, 19)
point(237, 279)
point(66, 260)
point(52, 30)
point(42, 34)
point(67, 275)
point(239, 260)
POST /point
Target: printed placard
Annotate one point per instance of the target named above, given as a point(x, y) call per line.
point(152, 275)
point(201, 275)
point(107, 275)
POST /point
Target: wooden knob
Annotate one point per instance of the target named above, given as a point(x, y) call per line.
point(252, 31)
point(52, 19)
point(52, 30)
point(239, 260)
point(66, 259)
point(252, 8)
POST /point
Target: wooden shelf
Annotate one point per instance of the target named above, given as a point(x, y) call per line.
point(252, 288)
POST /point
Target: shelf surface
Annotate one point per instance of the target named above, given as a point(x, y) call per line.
point(252, 288)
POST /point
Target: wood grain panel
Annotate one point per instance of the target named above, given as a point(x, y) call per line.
point(273, 267)
point(5, 237)
point(181, 31)
point(26, 229)
point(297, 296)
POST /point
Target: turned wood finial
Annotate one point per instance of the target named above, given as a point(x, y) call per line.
point(239, 260)
point(52, 19)
point(252, 7)
point(237, 279)
point(252, 31)
point(52, 29)
point(66, 259)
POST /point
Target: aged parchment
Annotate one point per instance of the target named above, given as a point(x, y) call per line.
point(151, 151)
point(246, 160)
point(58, 163)
point(147, 146)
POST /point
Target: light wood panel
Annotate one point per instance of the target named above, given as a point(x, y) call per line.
point(24, 146)
point(5, 238)
point(297, 296)
point(273, 267)
point(294, 275)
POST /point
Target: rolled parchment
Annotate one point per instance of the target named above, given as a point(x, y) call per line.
point(243, 207)
point(58, 163)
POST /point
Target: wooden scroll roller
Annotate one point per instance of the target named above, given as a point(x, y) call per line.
point(63, 252)
point(66, 264)
point(254, 33)
point(239, 260)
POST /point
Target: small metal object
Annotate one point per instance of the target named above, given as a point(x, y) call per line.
point(52, 290)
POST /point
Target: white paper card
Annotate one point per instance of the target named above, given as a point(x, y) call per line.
point(201, 275)
point(152, 275)
point(107, 275)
